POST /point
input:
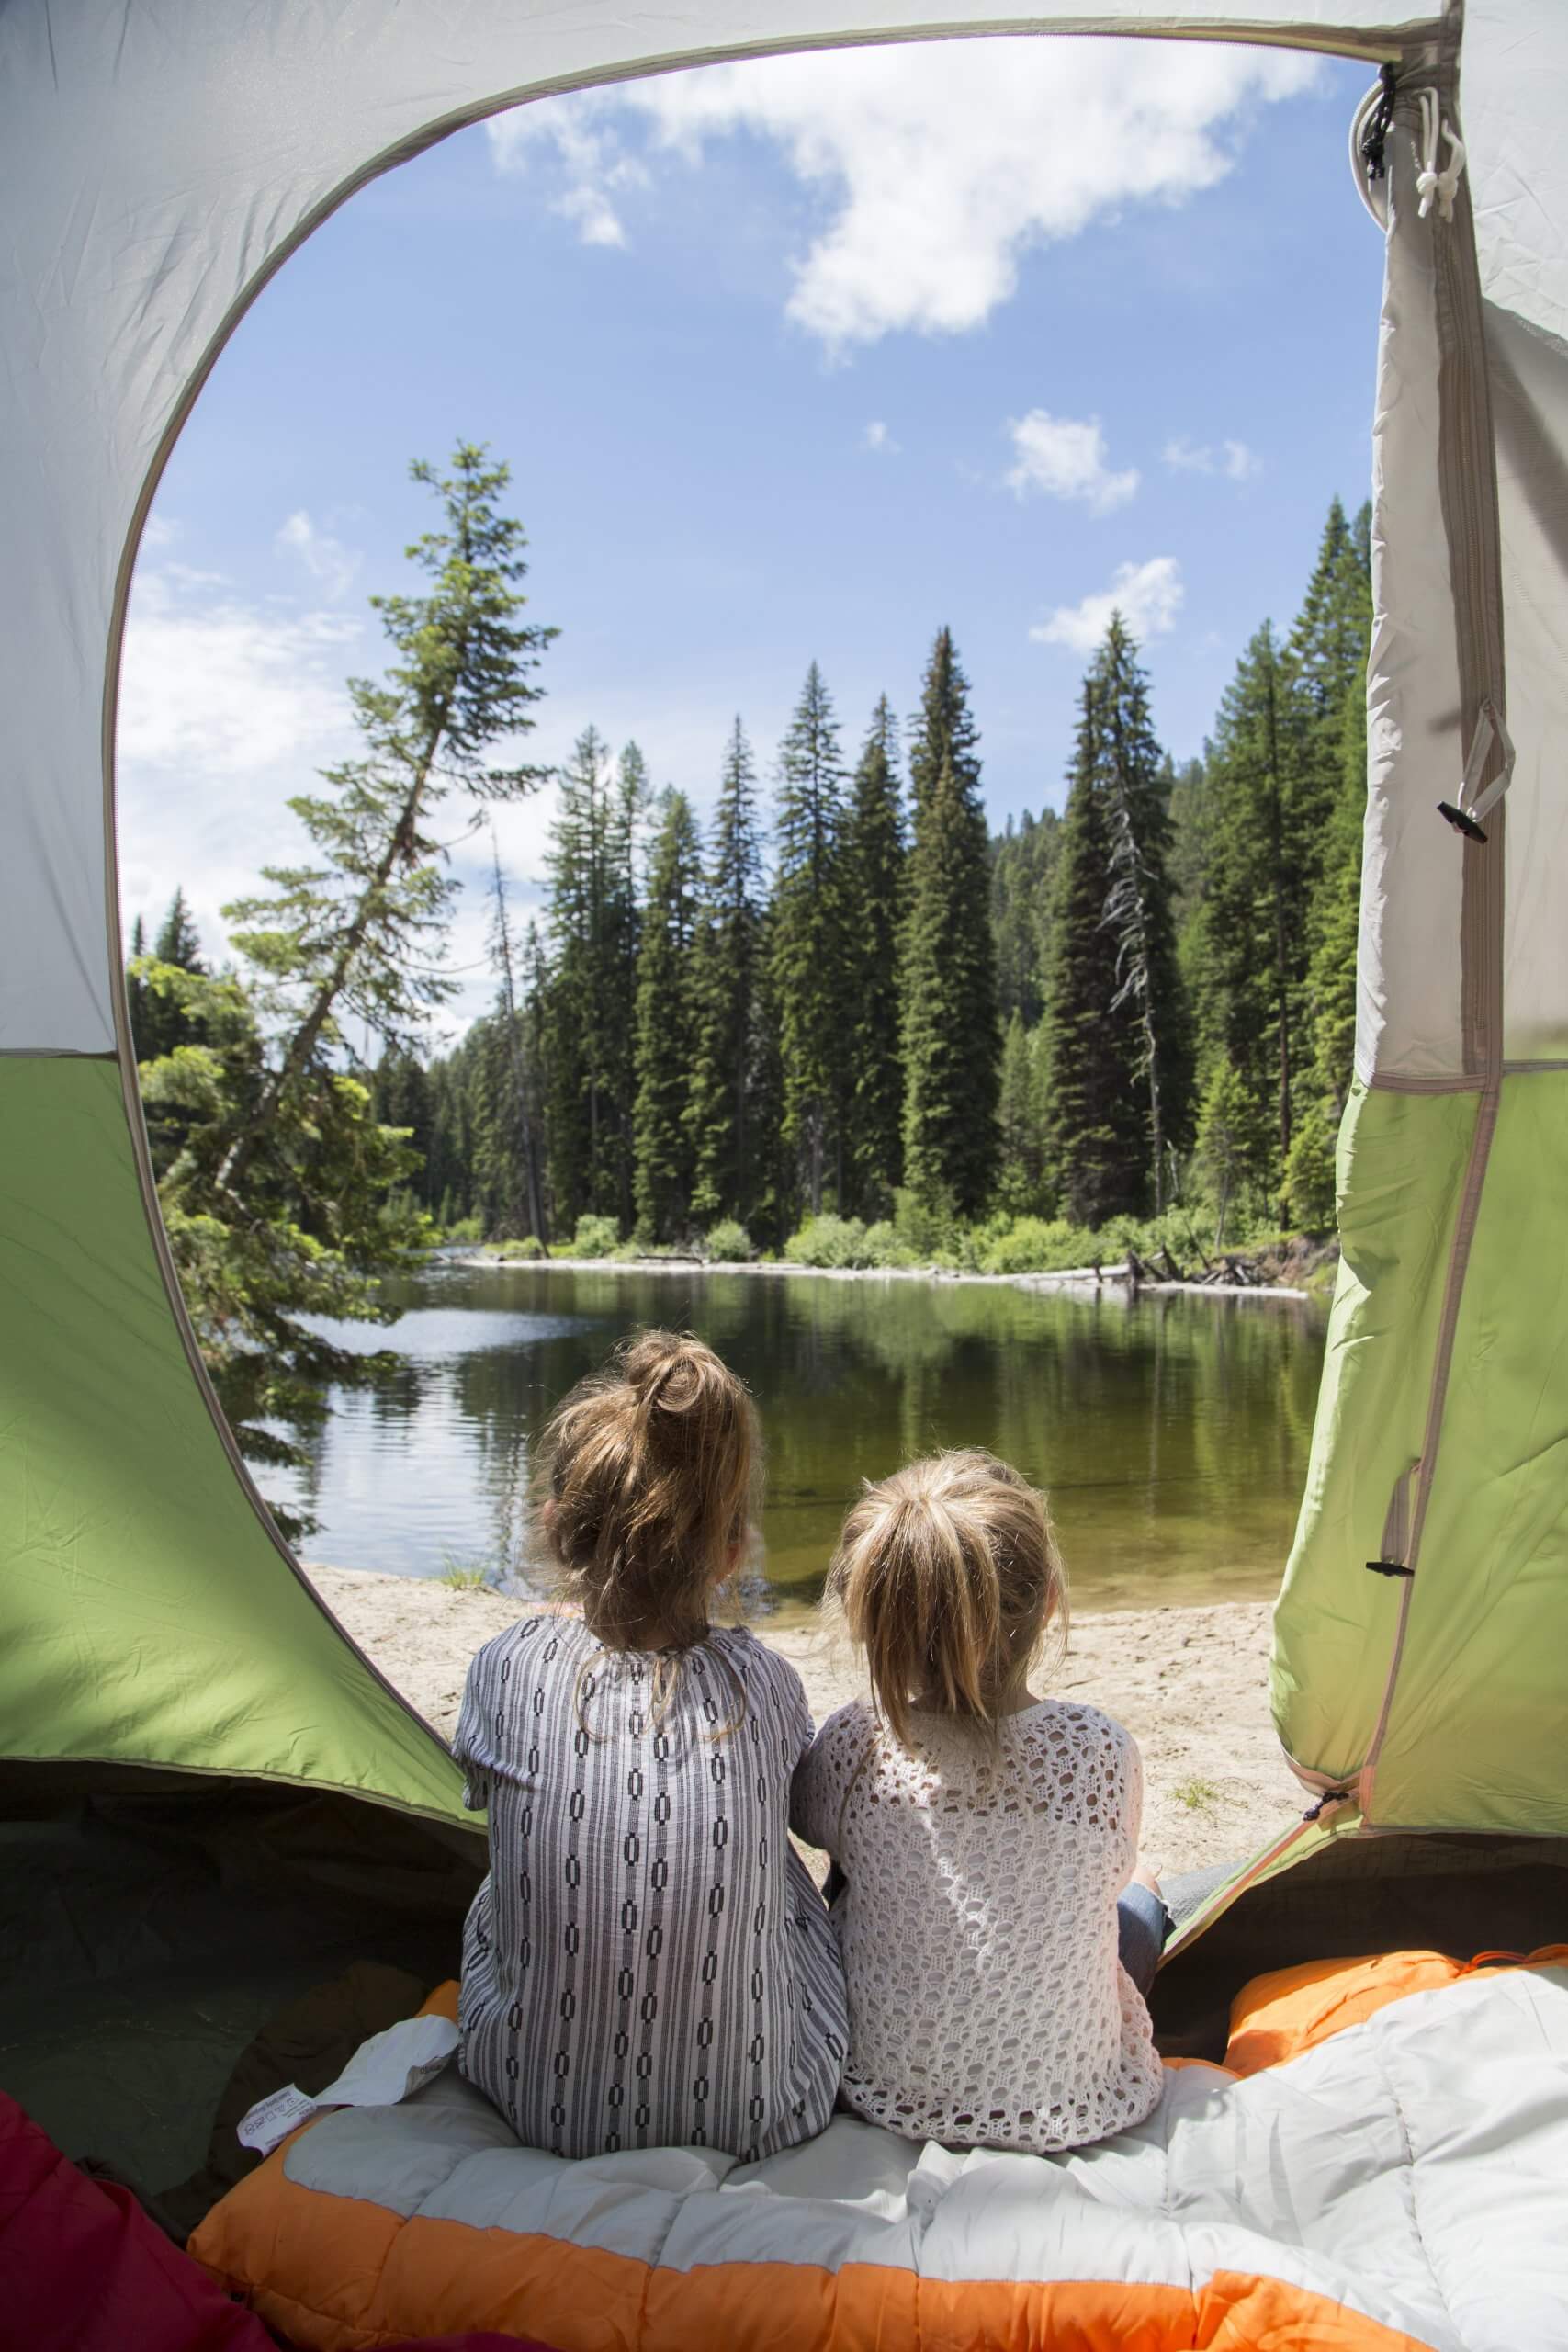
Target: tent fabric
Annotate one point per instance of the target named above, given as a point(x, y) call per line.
point(148, 1615)
point(1419, 2209)
point(1422, 1609)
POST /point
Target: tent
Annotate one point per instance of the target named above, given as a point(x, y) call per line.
point(207, 1791)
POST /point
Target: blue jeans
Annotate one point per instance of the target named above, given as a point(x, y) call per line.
point(1142, 1924)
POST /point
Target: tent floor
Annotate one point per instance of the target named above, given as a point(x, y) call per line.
point(143, 1943)
point(146, 1934)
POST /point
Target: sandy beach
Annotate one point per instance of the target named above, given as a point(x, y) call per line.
point(1188, 1682)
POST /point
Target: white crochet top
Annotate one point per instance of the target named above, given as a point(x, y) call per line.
point(987, 2006)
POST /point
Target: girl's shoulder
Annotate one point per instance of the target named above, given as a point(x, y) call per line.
point(752, 1659)
point(533, 1633)
point(1074, 1722)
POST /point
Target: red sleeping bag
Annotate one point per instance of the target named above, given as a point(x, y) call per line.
point(85, 2270)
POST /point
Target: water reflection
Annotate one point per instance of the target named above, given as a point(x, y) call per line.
point(1172, 1435)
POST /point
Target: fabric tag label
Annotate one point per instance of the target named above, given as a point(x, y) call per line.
point(272, 2119)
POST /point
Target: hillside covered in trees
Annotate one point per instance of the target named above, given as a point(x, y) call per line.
point(842, 1012)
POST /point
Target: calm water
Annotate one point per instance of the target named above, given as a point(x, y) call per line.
point(1172, 1435)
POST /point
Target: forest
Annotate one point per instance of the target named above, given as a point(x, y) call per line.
point(839, 1020)
point(846, 1021)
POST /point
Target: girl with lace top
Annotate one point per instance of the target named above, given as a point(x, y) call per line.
point(648, 1963)
point(983, 1834)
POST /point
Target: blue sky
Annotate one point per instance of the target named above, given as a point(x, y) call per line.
point(796, 360)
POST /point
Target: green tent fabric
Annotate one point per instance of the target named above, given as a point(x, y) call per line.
point(151, 1616)
point(205, 1790)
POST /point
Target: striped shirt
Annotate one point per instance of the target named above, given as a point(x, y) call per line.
point(648, 1963)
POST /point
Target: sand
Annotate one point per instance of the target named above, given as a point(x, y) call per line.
point(1189, 1683)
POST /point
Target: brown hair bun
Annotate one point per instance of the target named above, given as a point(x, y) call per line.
point(650, 1469)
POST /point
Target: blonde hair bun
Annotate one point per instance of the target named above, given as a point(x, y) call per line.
point(949, 1577)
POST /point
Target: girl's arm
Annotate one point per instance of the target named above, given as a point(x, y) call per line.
point(469, 1746)
point(822, 1780)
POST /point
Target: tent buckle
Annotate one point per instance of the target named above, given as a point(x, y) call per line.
point(1465, 816)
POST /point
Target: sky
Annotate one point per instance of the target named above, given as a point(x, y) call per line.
point(795, 360)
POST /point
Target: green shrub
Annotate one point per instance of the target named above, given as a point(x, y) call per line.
point(929, 1232)
point(728, 1243)
point(884, 1248)
point(1038, 1245)
point(530, 1248)
point(596, 1236)
point(829, 1241)
point(465, 1228)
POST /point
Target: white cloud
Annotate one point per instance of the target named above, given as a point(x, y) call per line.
point(592, 165)
point(226, 707)
point(1232, 458)
point(330, 564)
point(1147, 595)
point(158, 532)
point(934, 165)
point(876, 436)
point(1065, 457)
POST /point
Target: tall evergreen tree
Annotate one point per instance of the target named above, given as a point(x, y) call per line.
point(1020, 1188)
point(809, 956)
point(943, 729)
point(722, 1107)
point(667, 1024)
point(592, 919)
point(875, 864)
point(1022, 861)
point(1094, 1143)
point(1334, 922)
point(1138, 912)
point(352, 933)
point(517, 1157)
point(1254, 917)
point(162, 1015)
point(951, 1034)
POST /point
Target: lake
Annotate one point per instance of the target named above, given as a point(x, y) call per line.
point(1171, 1434)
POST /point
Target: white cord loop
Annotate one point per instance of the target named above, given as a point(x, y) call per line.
point(1431, 182)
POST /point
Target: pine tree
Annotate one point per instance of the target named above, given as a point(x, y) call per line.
point(592, 863)
point(1022, 861)
point(1020, 1188)
point(1251, 939)
point(666, 1025)
point(163, 1016)
point(1138, 910)
point(1330, 992)
point(357, 931)
point(517, 1167)
point(807, 944)
point(875, 862)
point(1095, 1143)
point(951, 1034)
point(726, 971)
point(943, 730)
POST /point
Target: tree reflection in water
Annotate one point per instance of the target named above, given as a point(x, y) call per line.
point(1172, 1435)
